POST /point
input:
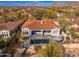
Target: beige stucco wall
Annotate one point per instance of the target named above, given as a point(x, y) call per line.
point(5, 32)
point(56, 30)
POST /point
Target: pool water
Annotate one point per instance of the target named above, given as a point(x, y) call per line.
point(39, 41)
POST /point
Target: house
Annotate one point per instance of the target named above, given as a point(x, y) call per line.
point(6, 29)
point(74, 23)
point(41, 31)
point(69, 10)
point(59, 14)
point(73, 28)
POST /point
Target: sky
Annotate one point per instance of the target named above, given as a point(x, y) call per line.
point(25, 3)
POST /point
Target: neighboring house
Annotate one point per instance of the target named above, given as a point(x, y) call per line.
point(69, 10)
point(74, 23)
point(41, 31)
point(59, 14)
point(6, 29)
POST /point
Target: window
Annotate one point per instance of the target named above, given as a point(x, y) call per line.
point(36, 32)
point(47, 31)
point(25, 32)
point(2, 34)
point(6, 34)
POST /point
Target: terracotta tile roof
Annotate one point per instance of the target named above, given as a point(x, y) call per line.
point(9, 25)
point(40, 24)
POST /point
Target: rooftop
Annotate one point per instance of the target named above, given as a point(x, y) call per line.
point(9, 25)
point(74, 22)
point(40, 24)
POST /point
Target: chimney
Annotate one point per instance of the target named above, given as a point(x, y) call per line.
point(41, 21)
point(72, 19)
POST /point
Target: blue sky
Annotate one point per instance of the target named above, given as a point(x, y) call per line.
point(25, 3)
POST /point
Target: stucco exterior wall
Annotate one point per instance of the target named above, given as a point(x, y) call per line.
point(5, 33)
point(54, 32)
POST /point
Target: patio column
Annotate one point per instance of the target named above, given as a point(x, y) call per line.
point(41, 32)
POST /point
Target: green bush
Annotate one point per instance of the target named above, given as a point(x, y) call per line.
point(52, 50)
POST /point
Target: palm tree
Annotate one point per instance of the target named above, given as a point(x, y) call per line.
point(51, 50)
point(63, 22)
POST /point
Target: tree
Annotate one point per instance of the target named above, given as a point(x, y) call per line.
point(2, 42)
point(8, 18)
point(63, 23)
point(76, 13)
point(0, 37)
point(52, 50)
point(73, 33)
point(49, 14)
point(10, 45)
point(70, 14)
point(38, 14)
